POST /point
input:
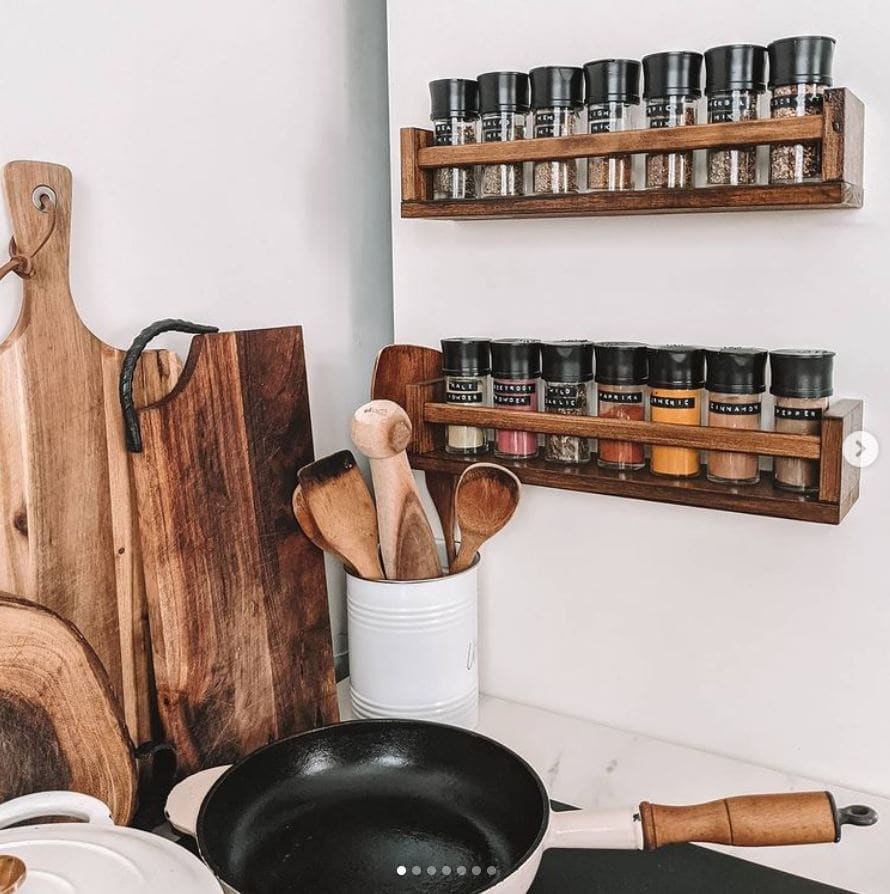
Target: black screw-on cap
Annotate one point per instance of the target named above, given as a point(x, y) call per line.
point(454, 98)
point(806, 374)
point(503, 91)
point(739, 66)
point(557, 86)
point(676, 366)
point(736, 370)
point(567, 361)
point(515, 358)
point(621, 362)
point(676, 73)
point(466, 356)
point(801, 60)
point(612, 80)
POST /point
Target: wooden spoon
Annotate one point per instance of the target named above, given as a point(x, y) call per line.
point(310, 529)
point(342, 510)
point(487, 497)
point(12, 874)
point(381, 429)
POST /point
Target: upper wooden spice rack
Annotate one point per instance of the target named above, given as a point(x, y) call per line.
point(839, 128)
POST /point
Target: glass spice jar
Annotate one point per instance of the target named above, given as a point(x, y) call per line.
point(568, 377)
point(802, 385)
point(455, 115)
point(557, 95)
point(504, 103)
point(466, 366)
point(516, 373)
point(676, 377)
point(613, 91)
point(736, 380)
point(622, 369)
point(672, 88)
point(800, 72)
point(735, 77)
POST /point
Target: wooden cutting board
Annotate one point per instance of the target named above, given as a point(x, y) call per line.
point(237, 593)
point(68, 537)
point(61, 727)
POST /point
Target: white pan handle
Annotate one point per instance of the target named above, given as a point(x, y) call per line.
point(43, 804)
point(184, 802)
point(595, 829)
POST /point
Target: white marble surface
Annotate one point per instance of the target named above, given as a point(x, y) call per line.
point(590, 765)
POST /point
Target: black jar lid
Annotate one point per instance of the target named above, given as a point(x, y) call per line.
point(801, 60)
point(612, 80)
point(805, 374)
point(503, 91)
point(515, 358)
point(738, 66)
point(677, 73)
point(466, 356)
point(676, 366)
point(621, 362)
point(454, 98)
point(736, 370)
point(557, 86)
point(567, 361)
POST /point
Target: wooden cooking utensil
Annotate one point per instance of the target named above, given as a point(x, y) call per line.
point(69, 539)
point(61, 727)
point(487, 497)
point(381, 430)
point(309, 527)
point(12, 874)
point(342, 510)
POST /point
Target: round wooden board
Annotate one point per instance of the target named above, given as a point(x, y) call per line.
point(60, 725)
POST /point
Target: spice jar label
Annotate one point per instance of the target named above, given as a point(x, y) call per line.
point(716, 406)
point(599, 120)
point(444, 133)
point(513, 394)
point(544, 123)
point(720, 109)
point(806, 413)
point(813, 104)
point(558, 398)
point(620, 397)
point(494, 131)
point(663, 113)
point(672, 403)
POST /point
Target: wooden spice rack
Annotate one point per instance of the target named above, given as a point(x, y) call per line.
point(839, 128)
point(838, 480)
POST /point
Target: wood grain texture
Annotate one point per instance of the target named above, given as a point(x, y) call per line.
point(417, 184)
point(60, 723)
point(68, 538)
point(843, 143)
point(237, 593)
point(838, 479)
point(12, 874)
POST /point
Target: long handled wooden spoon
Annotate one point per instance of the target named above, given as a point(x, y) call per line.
point(341, 507)
point(310, 528)
point(12, 874)
point(487, 497)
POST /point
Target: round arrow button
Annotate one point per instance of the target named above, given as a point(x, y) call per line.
point(861, 449)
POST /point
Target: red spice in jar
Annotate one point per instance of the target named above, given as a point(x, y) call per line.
point(622, 369)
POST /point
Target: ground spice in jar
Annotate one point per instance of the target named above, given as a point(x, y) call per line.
point(504, 103)
point(802, 385)
point(466, 366)
point(516, 374)
point(568, 374)
point(455, 116)
point(736, 379)
point(800, 72)
point(676, 377)
point(622, 369)
point(557, 95)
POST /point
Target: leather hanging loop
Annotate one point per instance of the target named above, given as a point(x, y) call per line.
point(22, 263)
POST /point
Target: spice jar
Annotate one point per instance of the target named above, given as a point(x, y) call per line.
point(504, 102)
point(557, 95)
point(568, 376)
point(802, 385)
point(672, 86)
point(455, 114)
point(735, 76)
point(736, 380)
point(676, 376)
point(466, 365)
point(800, 72)
point(516, 371)
point(613, 90)
point(622, 368)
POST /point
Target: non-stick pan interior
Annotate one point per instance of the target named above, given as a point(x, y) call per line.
point(376, 806)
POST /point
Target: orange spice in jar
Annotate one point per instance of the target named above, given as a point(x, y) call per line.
point(676, 377)
point(622, 368)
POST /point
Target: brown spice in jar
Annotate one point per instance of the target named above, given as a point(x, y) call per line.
point(613, 172)
point(672, 170)
point(741, 412)
point(796, 162)
point(567, 399)
point(556, 176)
point(798, 416)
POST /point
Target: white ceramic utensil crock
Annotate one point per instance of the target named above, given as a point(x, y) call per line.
point(94, 856)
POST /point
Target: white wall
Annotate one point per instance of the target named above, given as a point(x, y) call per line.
point(628, 612)
point(213, 146)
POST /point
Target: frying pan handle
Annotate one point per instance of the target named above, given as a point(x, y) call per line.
point(595, 829)
point(184, 801)
point(44, 804)
point(132, 432)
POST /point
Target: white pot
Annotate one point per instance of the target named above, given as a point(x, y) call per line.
point(94, 856)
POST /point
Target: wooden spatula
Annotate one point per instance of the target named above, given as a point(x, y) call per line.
point(487, 497)
point(381, 429)
point(341, 507)
point(310, 528)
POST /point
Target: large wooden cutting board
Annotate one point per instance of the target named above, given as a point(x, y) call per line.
point(237, 593)
point(67, 520)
